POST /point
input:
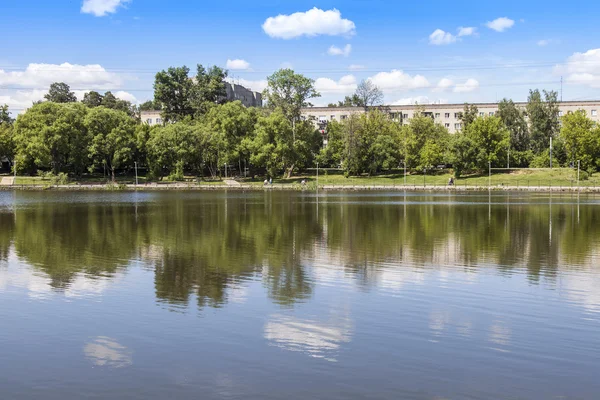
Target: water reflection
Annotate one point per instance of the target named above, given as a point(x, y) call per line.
point(107, 352)
point(204, 247)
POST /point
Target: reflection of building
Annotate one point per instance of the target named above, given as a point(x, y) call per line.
point(447, 115)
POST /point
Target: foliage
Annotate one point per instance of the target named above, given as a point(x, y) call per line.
point(208, 88)
point(173, 147)
point(543, 119)
point(173, 91)
point(112, 141)
point(367, 94)
point(420, 130)
point(469, 114)
point(92, 99)
point(60, 92)
point(582, 139)
point(514, 120)
point(542, 160)
point(5, 118)
point(484, 141)
point(289, 92)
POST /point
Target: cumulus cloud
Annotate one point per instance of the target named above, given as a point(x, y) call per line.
point(336, 51)
point(356, 67)
point(500, 24)
point(237, 64)
point(126, 96)
point(91, 76)
point(443, 85)
point(469, 86)
point(346, 85)
point(466, 31)
point(440, 37)
point(310, 23)
point(582, 68)
point(398, 80)
point(20, 100)
point(100, 8)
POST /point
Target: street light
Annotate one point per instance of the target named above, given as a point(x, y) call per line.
point(136, 174)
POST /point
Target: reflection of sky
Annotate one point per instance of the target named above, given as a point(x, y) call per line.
point(107, 352)
point(314, 338)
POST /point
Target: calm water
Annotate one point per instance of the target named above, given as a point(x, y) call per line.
point(293, 296)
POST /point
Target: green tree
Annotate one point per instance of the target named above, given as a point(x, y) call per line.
point(489, 138)
point(543, 119)
point(350, 101)
point(514, 120)
point(581, 138)
point(112, 138)
point(173, 148)
point(469, 114)
point(60, 92)
point(5, 117)
point(7, 146)
point(149, 105)
point(51, 135)
point(289, 92)
point(173, 90)
point(92, 99)
point(208, 89)
point(420, 130)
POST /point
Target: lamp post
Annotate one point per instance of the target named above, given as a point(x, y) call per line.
point(578, 168)
point(490, 175)
point(136, 174)
point(317, 176)
point(550, 152)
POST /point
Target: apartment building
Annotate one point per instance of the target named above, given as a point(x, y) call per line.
point(447, 115)
point(234, 92)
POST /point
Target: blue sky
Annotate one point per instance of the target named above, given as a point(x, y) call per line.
point(414, 51)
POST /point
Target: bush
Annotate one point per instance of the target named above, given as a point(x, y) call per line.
point(543, 160)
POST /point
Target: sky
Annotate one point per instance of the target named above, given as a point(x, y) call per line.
point(430, 52)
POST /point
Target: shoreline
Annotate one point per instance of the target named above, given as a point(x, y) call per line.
point(289, 187)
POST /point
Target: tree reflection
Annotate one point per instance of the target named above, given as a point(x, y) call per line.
point(203, 246)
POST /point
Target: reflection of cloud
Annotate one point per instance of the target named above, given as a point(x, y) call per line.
point(317, 339)
point(500, 333)
point(105, 351)
point(582, 288)
point(36, 285)
point(83, 285)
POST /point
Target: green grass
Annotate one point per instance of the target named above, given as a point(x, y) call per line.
point(519, 177)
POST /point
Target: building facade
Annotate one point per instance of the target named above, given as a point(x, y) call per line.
point(247, 97)
point(447, 115)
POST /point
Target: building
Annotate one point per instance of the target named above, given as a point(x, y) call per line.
point(234, 92)
point(447, 115)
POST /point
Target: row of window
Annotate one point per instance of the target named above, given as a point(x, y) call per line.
point(158, 121)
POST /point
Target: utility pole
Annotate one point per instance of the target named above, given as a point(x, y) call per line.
point(550, 152)
point(490, 177)
point(136, 175)
point(578, 167)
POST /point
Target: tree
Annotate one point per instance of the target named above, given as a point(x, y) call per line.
point(173, 90)
point(60, 92)
point(469, 114)
point(421, 130)
point(514, 120)
point(109, 100)
point(209, 88)
point(289, 92)
point(7, 146)
point(5, 117)
point(275, 149)
point(367, 94)
point(92, 99)
point(112, 138)
point(581, 139)
point(350, 101)
point(485, 141)
point(51, 135)
point(172, 148)
point(149, 105)
point(543, 119)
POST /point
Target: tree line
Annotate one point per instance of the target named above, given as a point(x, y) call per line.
point(203, 133)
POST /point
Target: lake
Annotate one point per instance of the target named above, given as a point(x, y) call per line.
point(291, 295)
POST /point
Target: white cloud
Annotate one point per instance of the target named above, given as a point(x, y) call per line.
point(36, 76)
point(346, 85)
point(237, 64)
point(356, 67)
point(582, 68)
point(443, 85)
point(500, 24)
point(417, 100)
point(398, 80)
point(439, 37)
point(310, 23)
point(543, 42)
point(100, 8)
point(466, 31)
point(22, 99)
point(469, 86)
point(126, 96)
point(336, 51)
point(257, 86)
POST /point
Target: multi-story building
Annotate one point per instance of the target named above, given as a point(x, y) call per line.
point(448, 115)
point(234, 92)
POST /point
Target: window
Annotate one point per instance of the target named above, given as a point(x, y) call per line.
point(405, 116)
point(447, 115)
point(322, 118)
point(447, 125)
point(458, 126)
point(560, 113)
point(594, 113)
point(481, 114)
point(332, 117)
point(303, 118)
point(343, 116)
point(158, 120)
point(437, 115)
point(491, 113)
point(149, 121)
